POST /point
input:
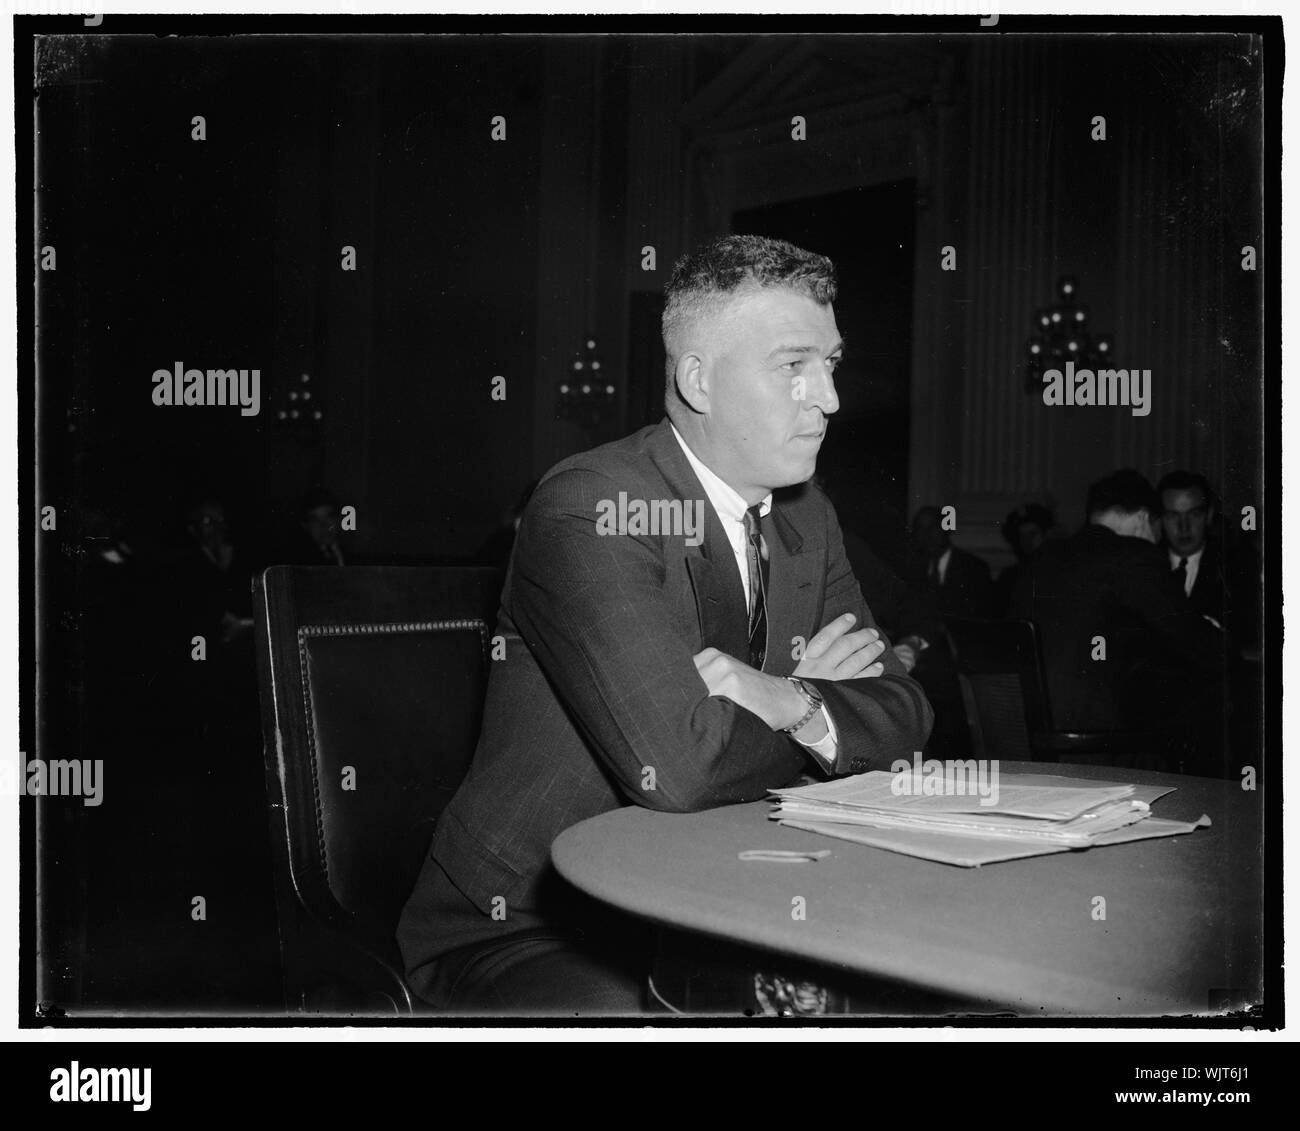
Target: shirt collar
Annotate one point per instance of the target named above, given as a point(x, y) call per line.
point(1175, 558)
point(726, 500)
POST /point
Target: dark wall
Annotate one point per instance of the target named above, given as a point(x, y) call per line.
point(868, 232)
point(227, 253)
point(454, 291)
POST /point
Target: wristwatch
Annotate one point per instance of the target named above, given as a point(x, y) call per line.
point(814, 697)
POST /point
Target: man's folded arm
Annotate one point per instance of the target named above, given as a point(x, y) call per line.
point(1153, 597)
point(878, 719)
point(591, 607)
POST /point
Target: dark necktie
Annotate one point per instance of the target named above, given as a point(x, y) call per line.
point(756, 560)
point(1180, 572)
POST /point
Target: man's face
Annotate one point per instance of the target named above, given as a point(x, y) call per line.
point(769, 375)
point(322, 525)
point(1186, 520)
point(208, 525)
point(1029, 539)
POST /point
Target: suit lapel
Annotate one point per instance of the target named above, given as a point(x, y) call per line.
point(793, 592)
point(719, 594)
point(720, 599)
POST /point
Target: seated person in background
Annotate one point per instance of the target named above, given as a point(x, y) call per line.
point(213, 576)
point(1187, 514)
point(960, 581)
point(960, 585)
point(315, 541)
point(1025, 530)
point(677, 664)
point(212, 596)
point(910, 616)
point(1222, 581)
point(1122, 646)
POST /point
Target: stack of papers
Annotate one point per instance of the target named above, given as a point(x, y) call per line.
point(1010, 817)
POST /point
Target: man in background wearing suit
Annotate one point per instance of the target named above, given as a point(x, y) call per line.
point(961, 581)
point(682, 631)
point(1222, 582)
point(1196, 560)
point(960, 585)
point(1122, 646)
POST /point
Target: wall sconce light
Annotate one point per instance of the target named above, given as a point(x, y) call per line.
point(586, 392)
point(299, 403)
point(1061, 334)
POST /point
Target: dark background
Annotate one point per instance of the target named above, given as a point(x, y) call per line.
point(479, 258)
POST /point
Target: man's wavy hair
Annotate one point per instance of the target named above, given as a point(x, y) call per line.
point(706, 278)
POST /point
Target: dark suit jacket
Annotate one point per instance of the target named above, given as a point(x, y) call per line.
point(967, 589)
point(903, 609)
point(1161, 655)
point(1227, 588)
point(1208, 593)
point(598, 686)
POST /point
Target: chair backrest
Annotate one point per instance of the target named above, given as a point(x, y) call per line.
point(1001, 676)
point(372, 683)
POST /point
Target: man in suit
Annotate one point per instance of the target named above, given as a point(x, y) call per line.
point(961, 581)
point(315, 541)
point(1122, 646)
point(682, 631)
point(1195, 559)
point(1221, 585)
point(1025, 529)
point(910, 615)
point(959, 584)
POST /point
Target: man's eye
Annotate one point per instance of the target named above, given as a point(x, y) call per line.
point(834, 362)
point(792, 364)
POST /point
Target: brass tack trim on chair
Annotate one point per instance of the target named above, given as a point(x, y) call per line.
point(392, 628)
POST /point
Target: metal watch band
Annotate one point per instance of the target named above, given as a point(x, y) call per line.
point(814, 704)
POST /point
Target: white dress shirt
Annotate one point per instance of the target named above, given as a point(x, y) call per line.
point(731, 510)
point(941, 566)
point(1193, 566)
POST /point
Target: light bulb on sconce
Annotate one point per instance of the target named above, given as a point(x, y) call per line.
point(586, 402)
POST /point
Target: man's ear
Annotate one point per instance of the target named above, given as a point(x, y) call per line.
point(692, 382)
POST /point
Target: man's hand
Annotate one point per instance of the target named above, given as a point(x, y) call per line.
point(233, 627)
point(908, 649)
point(836, 653)
point(771, 698)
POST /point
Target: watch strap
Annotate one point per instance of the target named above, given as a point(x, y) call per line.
point(814, 704)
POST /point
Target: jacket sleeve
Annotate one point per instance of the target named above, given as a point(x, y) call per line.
point(592, 609)
point(879, 719)
point(1147, 589)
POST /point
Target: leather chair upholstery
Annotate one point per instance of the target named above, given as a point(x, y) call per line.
point(372, 682)
point(1004, 691)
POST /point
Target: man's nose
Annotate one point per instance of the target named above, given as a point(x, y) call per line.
point(821, 391)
